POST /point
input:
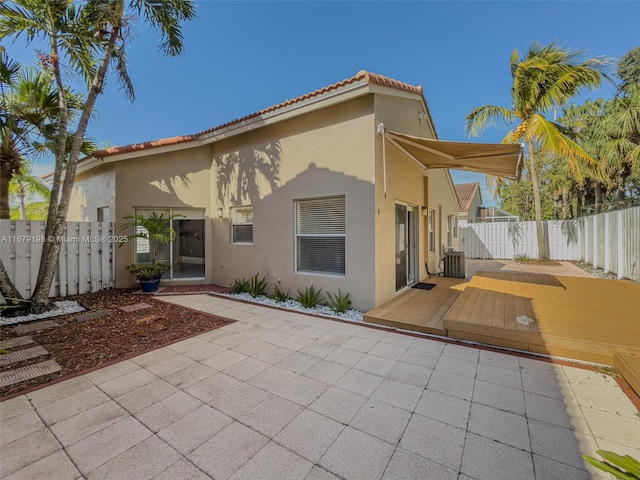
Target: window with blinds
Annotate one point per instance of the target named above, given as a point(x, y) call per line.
point(242, 225)
point(320, 235)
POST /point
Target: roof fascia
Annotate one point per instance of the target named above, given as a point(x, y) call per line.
point(92, 162)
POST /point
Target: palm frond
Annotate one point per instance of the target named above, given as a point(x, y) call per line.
point(552, 139)
point(123, 75)
point(488, 115)
point(165, 16)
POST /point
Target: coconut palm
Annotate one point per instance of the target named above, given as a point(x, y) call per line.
point(84, 39)
point(544, 78)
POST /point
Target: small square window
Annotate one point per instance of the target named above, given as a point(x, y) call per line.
point(103, 214)
point(242, 225)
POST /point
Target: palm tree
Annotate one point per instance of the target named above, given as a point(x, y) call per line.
point(85, 39)
point(620, 149)
point(544, 78)
point(28, 110)
point(586, 121)
point(25, 188)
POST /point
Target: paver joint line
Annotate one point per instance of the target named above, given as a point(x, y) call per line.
point(337, 428)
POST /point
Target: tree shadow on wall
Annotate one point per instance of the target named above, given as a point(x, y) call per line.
point(240, 173)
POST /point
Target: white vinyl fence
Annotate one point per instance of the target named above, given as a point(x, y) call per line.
point(610, 241)
point(85, 263)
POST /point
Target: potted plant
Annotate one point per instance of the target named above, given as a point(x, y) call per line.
point(155, 229)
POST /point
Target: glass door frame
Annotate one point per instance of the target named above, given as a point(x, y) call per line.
point(410, 247)
point(172, 211)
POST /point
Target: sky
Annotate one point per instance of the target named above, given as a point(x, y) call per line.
point(243, 56)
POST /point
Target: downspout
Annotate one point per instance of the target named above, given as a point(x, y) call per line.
point(382, 132)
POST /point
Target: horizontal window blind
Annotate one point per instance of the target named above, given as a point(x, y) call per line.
point(242, 225)
point(320, 235)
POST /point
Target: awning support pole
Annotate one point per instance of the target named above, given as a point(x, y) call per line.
point(382, 132)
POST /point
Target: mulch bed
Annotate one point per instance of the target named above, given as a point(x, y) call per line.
point(540, 263)
point(111, 336)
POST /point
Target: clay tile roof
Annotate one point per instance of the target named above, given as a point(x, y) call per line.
point(163, 142)
point(361, 76)
point(368, 77)
point(465, 193)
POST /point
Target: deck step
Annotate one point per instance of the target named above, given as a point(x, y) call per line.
point(629, 367)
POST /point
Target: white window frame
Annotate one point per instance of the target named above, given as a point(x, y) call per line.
point(234, 213)
point(297, 235)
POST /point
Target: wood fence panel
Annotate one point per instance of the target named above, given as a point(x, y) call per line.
point(85, 263)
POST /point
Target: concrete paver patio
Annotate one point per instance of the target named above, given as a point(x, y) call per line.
point(281, 395)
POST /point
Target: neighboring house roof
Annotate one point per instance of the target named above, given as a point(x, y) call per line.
point(363, 77)
point(466, 192)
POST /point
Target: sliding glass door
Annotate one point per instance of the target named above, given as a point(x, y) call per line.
point(186, 253)
point(405, 252)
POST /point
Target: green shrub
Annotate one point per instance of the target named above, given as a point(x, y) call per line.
point(338, 302)
point(309, 297)
point(623, 468)
point(278, 295)
point(522, 258)
point(240, 285)
point(257, 285)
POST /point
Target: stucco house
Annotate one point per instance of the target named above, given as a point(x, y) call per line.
point(470, 199)
point(345, 188)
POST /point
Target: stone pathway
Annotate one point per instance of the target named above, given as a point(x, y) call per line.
point(281, 395)
point(18, 355)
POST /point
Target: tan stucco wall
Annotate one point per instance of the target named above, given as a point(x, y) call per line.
point(443, 200)
point(328, 152)
point(406, 184)
point(179, 179)
point(325, 153)
point(92, 190)
point(472, 215)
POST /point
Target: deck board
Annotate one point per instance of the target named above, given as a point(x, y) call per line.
point(419, 310)
point(585, 318)
point(582, 318)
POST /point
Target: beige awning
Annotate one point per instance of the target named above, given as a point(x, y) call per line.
point(500, 160)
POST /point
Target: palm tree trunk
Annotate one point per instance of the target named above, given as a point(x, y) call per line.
point(598, 197)
point(537, 204)
point(60, 205)
point(622, 178)
point(5, 177)
point(23, 207)
point(6, 285)
point(565, 202)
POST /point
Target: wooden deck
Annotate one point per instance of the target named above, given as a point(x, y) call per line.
point(587, 319)
point(419, 310)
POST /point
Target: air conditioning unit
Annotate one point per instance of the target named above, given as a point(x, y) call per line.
point(455, 265)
